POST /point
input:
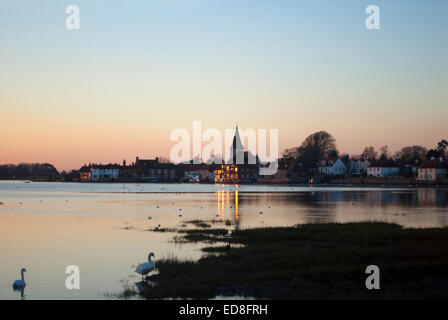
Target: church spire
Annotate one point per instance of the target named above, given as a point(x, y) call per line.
point(237, 144)
point(237, 148)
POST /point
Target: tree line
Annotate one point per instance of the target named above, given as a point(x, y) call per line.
point(28, 171)
point(322, 145)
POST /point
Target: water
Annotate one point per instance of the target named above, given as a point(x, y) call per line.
point(103, 228)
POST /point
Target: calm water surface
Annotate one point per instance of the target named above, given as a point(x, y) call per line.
point(103, 228)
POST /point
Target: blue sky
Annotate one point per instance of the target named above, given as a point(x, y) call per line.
point(144, 68)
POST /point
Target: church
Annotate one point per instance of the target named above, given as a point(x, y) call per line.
point(242, 167)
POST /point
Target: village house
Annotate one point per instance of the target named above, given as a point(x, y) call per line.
point(127, 172)
point(152, 170)
point(234, 172)
point(432, 170)
point(226, 174)
point(383, 169)
point(358, 167)
point(108, 172)
point(85, 174)
point(281, 176)
point(335, 167)
point(197, 173)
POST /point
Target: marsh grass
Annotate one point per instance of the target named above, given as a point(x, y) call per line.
point(209, 223)
point(163, 230)
point(202, 235)
point(312, 261)
point(199, 223)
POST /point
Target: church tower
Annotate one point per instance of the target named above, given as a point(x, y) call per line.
point(237, 148)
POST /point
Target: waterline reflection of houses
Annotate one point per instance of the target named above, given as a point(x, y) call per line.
point(227, 201)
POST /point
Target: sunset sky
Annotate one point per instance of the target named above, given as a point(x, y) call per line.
point(136, 70)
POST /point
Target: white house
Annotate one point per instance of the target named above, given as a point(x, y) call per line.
point(104, 172)
point(358, 167)
point(432, 170)
point(192, 175)
point(197, 173)
point(385, 169)
point(331, 167)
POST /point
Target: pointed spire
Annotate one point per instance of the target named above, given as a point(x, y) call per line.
point(237, 144)
point(237, 147)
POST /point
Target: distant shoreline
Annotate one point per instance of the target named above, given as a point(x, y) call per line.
point(317, 185)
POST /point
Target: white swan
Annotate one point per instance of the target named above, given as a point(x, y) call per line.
point(18, 284)
point(147, 267)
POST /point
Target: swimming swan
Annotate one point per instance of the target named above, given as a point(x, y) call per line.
point(20, 283)
point(147, 267)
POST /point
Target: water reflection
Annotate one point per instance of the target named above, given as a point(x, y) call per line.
point(405, 207)
point(228, 201)
point(142, 286)
point(21, 291)
point(74, 226)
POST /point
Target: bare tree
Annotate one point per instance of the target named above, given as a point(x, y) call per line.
point(291, 153)
point(411, 154)
point(369, 153)
point(441, 147)
point(317, 146)
point(384, 153)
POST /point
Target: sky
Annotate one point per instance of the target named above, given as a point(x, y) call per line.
point(138, 69)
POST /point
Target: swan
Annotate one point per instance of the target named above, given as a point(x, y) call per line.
point(147, 267)
point(18, 284)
